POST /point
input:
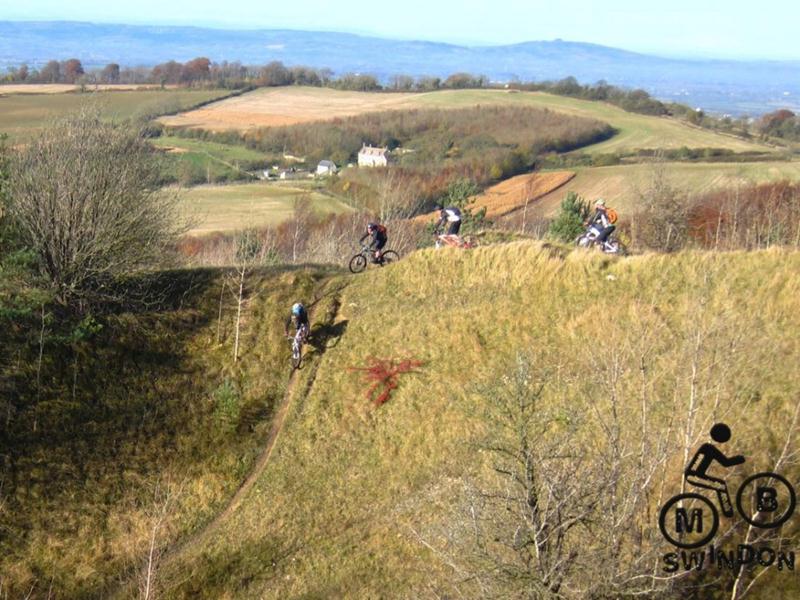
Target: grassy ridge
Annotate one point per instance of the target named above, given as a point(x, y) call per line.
point(355, 499)
point(151, 407)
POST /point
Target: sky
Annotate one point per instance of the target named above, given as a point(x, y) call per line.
point(677, 28)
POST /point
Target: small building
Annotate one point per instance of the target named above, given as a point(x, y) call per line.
point(370, 156)
point(326, 167)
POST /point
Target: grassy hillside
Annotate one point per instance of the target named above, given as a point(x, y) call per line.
point(23, 114)
point(144, 427)
point(286, 106)
point(638, 357)
point(622, 185)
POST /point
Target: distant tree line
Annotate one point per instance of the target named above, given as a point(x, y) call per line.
point(202, 72)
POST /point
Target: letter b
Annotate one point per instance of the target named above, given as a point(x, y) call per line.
point(766, 499)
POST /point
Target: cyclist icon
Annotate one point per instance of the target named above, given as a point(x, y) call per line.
point(706, 455)
point(759, 497)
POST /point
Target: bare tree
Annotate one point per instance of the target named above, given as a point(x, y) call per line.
point(164, 498)
point(84, 198)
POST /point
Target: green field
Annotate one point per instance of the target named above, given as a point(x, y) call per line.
point(234, 207)
point(623, 185)
point(197, 161)
point(21, 115)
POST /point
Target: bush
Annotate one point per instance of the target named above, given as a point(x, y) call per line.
point(570, 221)
point(84, 199)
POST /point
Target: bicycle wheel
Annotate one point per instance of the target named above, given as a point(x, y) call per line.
point(389, 257)
point(297, 355)
point(358, 263)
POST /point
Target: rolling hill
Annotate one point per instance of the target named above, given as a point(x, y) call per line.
point(719, 85)
point(293, 105)
point(350, 499)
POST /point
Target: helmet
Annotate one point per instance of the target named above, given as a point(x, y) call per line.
point(600, 202)
point(371, 227)
point(297, 308)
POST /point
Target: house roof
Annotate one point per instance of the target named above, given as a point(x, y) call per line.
point(327, 163)
point(372, 151)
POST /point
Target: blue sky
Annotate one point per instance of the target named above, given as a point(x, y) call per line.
point(683, 28)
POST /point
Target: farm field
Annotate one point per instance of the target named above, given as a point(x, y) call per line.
point(511, 194)
point(63, 88)
point(291, 105)
point(22, 114)
point(269, 107)
point(621, 185)
point(190, 160)
point(234, 207)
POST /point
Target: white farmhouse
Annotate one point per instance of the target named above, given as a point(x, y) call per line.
point(326, 167)
point(369, 156)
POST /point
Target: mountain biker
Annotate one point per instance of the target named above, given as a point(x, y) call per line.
point(379, 238)
point(299, 318)
point(600, 222)
point(452, 215)
point(707, 454)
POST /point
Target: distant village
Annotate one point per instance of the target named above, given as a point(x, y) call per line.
point(368, 156)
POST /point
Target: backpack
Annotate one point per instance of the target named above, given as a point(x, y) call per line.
point(612, 215)
point(382, 230)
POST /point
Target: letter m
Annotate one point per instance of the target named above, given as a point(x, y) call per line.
point(683, 523)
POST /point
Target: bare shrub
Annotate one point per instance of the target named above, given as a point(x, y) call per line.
point(662, 224)
point(747, 217)
point(84, 199)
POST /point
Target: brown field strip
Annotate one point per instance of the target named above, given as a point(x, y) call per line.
point(512, 194)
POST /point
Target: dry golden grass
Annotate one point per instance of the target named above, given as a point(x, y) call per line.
point(349, 502)
point(269, 107)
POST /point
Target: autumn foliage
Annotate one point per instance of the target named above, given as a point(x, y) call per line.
point(382, 374)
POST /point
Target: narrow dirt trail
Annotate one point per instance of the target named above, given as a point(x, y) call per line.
point(258, 467)
point(266, 452)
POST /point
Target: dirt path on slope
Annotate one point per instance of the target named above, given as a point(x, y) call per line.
point(269, 445)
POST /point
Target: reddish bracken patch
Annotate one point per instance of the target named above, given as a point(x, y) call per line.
point(383, 373)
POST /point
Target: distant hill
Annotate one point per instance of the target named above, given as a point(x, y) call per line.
point(722, 86)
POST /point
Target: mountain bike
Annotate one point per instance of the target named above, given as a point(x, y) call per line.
point(611, 245)
point(359, 261)
point(454, 241)
point(297, 346)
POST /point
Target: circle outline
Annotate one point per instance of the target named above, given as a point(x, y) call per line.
point(685, 496)
point(789, 511)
